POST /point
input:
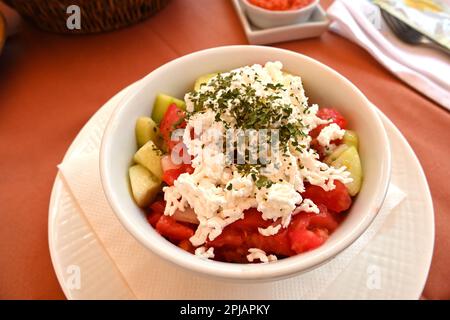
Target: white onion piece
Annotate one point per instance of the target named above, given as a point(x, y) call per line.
point(167, 164)
point(188, 215)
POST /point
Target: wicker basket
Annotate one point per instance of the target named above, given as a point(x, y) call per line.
point(96, 15)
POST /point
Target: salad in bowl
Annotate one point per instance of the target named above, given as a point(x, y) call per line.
point(243, 168)
point(268, 165)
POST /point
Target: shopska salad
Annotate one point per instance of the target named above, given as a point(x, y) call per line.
point(206, 189)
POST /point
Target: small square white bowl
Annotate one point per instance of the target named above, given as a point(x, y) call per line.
point(314, 27)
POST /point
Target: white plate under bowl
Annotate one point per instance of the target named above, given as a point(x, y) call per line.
point(314, 27)
point(401, 252)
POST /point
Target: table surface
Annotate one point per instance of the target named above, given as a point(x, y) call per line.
point(50, 85)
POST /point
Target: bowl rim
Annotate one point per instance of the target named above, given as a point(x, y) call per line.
point(314, 3)
point(260, 272)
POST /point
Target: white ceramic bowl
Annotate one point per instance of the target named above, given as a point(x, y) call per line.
point(322, 84)
point(264, 18)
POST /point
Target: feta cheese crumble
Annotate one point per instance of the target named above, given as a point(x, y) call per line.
point(307, 206)
point(330, 133)
point(204, 253)
point(278, 201)
point(270, 230)
point(219, 191)
point(258, 254)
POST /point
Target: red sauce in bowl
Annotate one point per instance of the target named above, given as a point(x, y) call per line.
point(281, 5)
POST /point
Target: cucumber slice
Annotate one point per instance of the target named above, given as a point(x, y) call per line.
point(144, 185)
point(350, 159)
point(202, 80)
point(149, 156)
point(162, 102)
point(146, 130)
point(351, 139)
point(335, 154)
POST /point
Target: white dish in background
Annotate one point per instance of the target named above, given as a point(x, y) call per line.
point(401, 250)
point(314, 27)
point(264, 18)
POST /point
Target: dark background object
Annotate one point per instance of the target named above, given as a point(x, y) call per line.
point(2, 31)
point(96, 15)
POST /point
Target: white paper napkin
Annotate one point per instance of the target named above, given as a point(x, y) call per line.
point(149, 277)
point(425, 69)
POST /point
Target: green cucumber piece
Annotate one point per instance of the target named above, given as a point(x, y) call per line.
point(149, 156)
point(351, 139)
point(144, 185)
point(202, 80)
point(162, 102)
point(350, 159)
point(147, 130)
point(335, 154)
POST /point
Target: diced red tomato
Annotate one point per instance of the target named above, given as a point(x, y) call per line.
point(329, 114)
point(153, 218)
point(187, 246)
point(156, 210)
point(336, 200)
point(303, 240)
point(173, 230)
point(173, 119)
point(188, 168)
point(334, 115)
point(158, 206)
point(252, 221)
point(324, 220)
point(278, 244)
point(319, 148)
point(171, 175)
point(235, 255)
point(244, 234)
point(307, 231)
point(171, 171)
point(230, 237)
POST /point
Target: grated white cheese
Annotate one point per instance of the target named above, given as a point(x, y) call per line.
point(216, 191)
point(204, 253)
point(277, 202)
point(330, 133)
point(258, 254)
point(270, 230)
point(319, 173)
point(307, 206)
